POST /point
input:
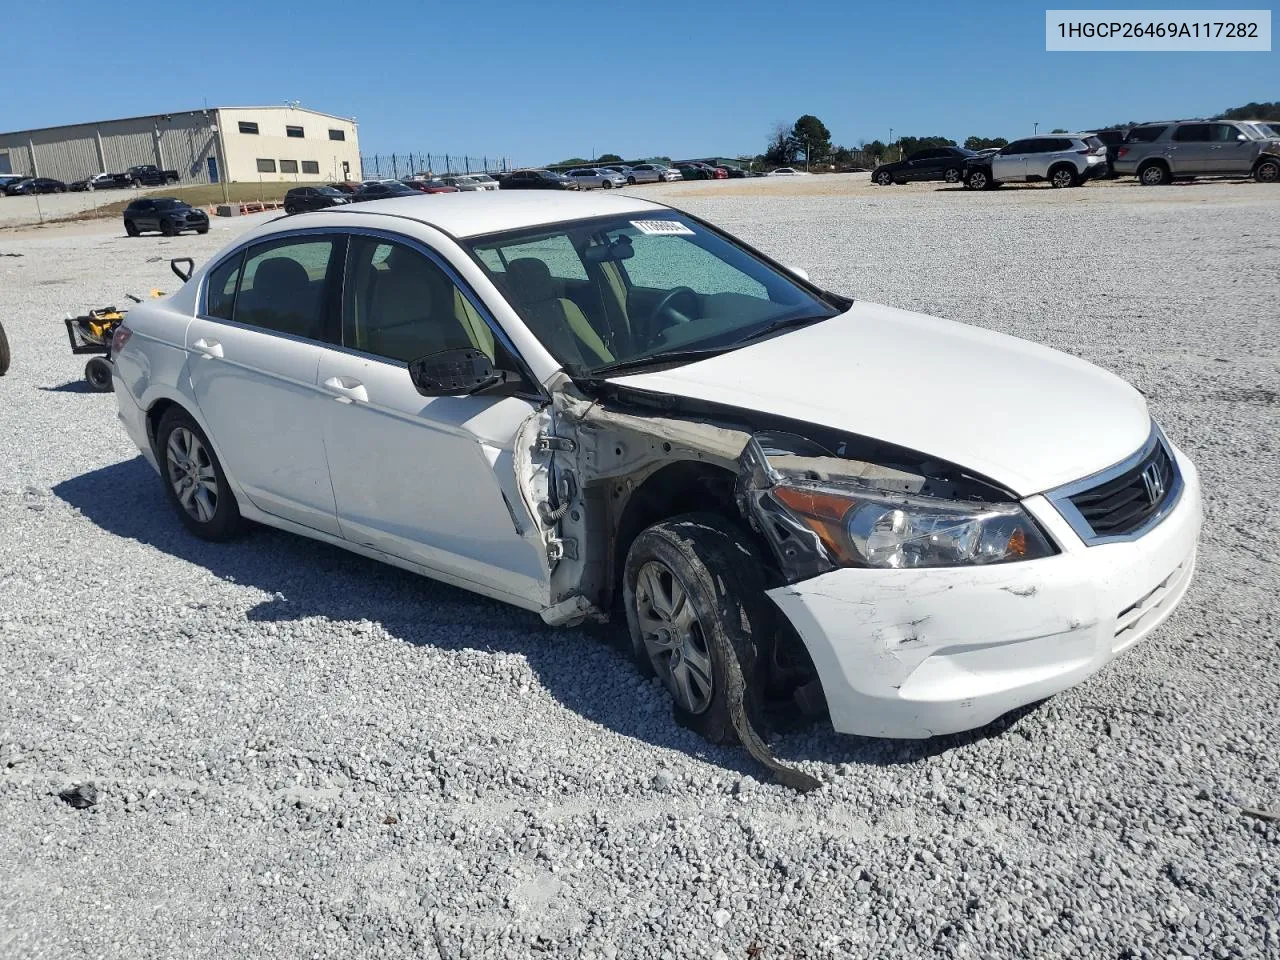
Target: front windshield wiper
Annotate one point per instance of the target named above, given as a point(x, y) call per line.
point(779, 325)
point(657, 359)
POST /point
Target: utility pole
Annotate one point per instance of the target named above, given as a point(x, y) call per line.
point(1035, 128)
point(886, 149)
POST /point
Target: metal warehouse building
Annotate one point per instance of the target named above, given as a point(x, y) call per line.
point(204, 146)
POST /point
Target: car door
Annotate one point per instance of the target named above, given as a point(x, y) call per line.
point(428, 479)
point(1230, 150)
point(143, 215)
point(253, 354)
point(1010, 163)
point(1191, 148)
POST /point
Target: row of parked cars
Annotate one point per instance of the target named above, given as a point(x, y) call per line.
point(1156, 153)
point(142, 175)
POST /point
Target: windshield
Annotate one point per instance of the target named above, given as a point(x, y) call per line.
point(620, 290)
point(328, 192)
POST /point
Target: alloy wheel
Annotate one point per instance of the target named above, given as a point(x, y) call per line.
point(952, 175)
point(1269, 172)
point(673, 637)
point(1062, 178)
point(191, 474)
point(884, 179)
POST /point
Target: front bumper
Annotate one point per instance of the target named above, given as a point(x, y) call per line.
point(914, 653)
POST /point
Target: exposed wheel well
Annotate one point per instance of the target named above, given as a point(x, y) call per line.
point(155, 415)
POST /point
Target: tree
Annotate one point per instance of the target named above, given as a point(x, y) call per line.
point(875, 148)
point(608, 158)
point(812, 138)
point(909, 145)
point(1268, 111)
point(1058, 130)
point(984, 143)
point(781, 150)
point(571, 162)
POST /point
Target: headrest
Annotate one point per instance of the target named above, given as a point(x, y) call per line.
point(280, 273)
point(530, 281)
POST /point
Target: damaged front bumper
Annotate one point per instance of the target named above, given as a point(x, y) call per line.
point(918, 652)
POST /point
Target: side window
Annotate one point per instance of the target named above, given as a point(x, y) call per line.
point(220, 288)
point(1144, 134)
point(1193, 133)
point(1223, 133)
point(1018, 146)
point(555, 251)
point(400, 305)
point(283, 287)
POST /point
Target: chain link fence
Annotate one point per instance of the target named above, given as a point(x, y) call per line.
point(397, 165)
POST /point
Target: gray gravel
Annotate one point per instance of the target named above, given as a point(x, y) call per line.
point(300, 753)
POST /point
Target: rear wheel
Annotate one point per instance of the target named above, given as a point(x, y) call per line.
point(1154, 174)
point(1268, 171)
point(631, 181)
point(952, 175)
point(97, 372)
point(166, 228)
point(1063, 176)
point(194, 481)
point(697, 612)
point(131, 228)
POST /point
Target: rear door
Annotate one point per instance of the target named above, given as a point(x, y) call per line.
point(427, 479)
point(253, 354)
point(1191, 148)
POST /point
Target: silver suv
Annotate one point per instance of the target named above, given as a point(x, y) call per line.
point(1158, 153)
point(1065, 160)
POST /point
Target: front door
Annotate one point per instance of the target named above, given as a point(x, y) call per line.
point(1229, 153)
point(1010, 163)
point(428, 479)
point(253, 354)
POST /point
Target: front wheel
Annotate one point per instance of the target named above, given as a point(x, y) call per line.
point(631, 181)
point(166, 228)
point(97, 373)
point(697, 612)
point(978, 180)
point(884, 179)
point(607, 185)
point(1268, 171)
point(131, 228)
point(193, 478)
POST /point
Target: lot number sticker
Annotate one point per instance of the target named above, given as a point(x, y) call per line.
point(662, 228)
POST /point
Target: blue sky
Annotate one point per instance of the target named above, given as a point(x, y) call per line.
point(645, 77)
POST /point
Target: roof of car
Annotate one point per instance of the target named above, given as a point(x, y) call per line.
point(474, 214)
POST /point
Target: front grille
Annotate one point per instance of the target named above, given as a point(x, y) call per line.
point(1119, 506)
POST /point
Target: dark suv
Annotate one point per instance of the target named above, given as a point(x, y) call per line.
point(536, 180)
point(936, 163)
point(169, 215)
point(300, 199)
point(1159, 153)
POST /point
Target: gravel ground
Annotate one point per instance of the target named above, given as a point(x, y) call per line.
point(302, 753)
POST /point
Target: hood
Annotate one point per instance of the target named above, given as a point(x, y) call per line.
point(1028, 417)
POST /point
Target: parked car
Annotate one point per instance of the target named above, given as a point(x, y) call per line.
point(788, 172)
point(465, 184)
point(536, 180)
point(1159, 153)
point(381, 189)
point(301, 199)
point(1113, 140)
point(696, 170)
point(169, 215)
point(429, 185)
point(346, 186)
point(6, 179)
point(656, 171)
point(707, 468)
point(30, 185)
point(149, 175)
point(485, 181)
point(1066, 160)
point(588, 178)
point(933, 163)
point(99, 181)
point(1264, 130)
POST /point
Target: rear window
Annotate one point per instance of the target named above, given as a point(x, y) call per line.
point(1093, 143)
point(1144, 134)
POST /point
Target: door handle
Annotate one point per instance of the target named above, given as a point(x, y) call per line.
point(209, 348)
point(347, 389)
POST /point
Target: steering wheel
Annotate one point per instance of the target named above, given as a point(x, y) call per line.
point(666, 306)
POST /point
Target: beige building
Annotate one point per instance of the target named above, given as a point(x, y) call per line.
point(237, 144)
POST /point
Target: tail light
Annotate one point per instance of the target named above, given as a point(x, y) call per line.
point(120, 338)
point(1121, 152)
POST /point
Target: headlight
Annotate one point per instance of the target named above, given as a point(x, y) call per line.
point(898, 531)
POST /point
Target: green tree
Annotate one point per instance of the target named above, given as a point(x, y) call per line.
point(1268, 111)
point(1058, 130)
point(875, 148)
point(571, 162)
point(608, 158)
point(781, 151)
point(910, 145)
point(811, 133)
point(984, 143)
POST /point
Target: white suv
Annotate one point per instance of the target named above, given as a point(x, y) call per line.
point(596, 407)
point(1064, 160)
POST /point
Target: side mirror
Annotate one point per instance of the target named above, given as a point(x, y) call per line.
point(799, 272)
point(453, 373)
point(1241, 137)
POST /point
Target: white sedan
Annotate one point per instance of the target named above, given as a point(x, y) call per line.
point(597, 406)
point(788, 172)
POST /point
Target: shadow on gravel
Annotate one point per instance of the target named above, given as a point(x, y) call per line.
point(71, 386)
point(584, 669)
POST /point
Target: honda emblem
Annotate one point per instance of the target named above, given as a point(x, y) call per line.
point(1154, 482)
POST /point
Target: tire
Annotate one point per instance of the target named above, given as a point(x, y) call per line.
point(1154, 174)
point(202, 230)
point(131, 228)
point(952, 175)
point(290, 210)
point(699, 575)
point(1268, 171)
point(979, 179)
point(194, 470)
point(166, 228)
point(97, 372)
point(5, 355)
point(884, 179)
point(631, 181)
point(607, 185)
point(1064, 176)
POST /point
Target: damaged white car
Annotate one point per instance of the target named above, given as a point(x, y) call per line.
point(599, 407)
